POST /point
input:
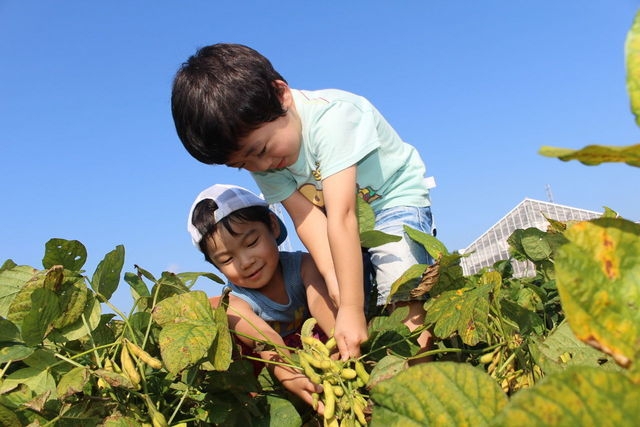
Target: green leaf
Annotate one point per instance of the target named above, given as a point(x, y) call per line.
point(8, 331)
point(402, 286)
point(464, 311)
point(80, 414)
point(16, 396)
point(78, 329)
point(192, 306)
point(388, 367)
point(595, 154)
point(8, 265)
point(71, 254)
point(144, 273)
point(597, 276)
point(373, 238)
point(433, 246)
point(535, 245)
point(609, 213)
point(73, 294)
point(188, 329)
point(45, 307)
point(452, 394)
point(370, 238)
point(389, 334)
point(73, 381)
point(12, 281)
point(138, 287)
point(8, 417)
point(185, 344)
point(38, 380)
point(107, 275)
point(632, 55)
point(139, 291)
point(366, 215)
point(451, 276)
point(579, 396)
point(223, 344)
point(43, 359)
point(189, 278)
point(22, 303)
point(528, 321)
point(119, 420)
point(139, 323)
point(104, 333)
point(168, 285)
point(282, 413)
point(13, 352)
point(548, 352)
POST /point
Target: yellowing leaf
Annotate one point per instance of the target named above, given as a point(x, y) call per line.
point(597, 275)
point(189, 328)
point(13, 281)
point(38, 380)
point(464, 311)
point(579, 396)
point(73, 381)
point(447, 394)
point(595, 154)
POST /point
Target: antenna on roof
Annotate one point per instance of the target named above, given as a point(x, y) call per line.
point(549, 193)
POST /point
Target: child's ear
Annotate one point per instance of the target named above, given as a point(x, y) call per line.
point(284, 93)
point(275, 225)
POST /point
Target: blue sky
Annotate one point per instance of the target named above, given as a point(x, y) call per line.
point(89, 152)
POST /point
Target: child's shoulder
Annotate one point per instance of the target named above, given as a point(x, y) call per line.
point(292, 256)
point(327, 96)
point(295, 257)
point(307, 264)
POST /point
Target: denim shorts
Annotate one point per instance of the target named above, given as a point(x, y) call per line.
point(391, 260)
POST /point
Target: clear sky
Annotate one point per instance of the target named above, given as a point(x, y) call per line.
point(88, 150)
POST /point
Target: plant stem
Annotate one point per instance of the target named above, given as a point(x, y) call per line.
point(6, 366)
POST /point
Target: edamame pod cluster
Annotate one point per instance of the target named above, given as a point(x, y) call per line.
point(343, 382)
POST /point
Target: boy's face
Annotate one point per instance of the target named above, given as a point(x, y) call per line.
point(249, 259)
point(274, 145)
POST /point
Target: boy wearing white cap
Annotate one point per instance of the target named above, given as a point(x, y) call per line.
point(273, 292)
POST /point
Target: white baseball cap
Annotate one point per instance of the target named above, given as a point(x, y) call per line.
point(229, 199)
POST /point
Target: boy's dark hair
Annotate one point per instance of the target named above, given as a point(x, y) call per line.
point(203, 220)
point(222, 93)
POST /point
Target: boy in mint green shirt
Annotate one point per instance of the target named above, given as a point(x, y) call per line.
point(313, 151)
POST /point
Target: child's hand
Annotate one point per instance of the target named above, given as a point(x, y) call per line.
point(297, 383)
point(350, 331)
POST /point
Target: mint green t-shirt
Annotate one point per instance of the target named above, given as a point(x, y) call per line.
point(341, 129)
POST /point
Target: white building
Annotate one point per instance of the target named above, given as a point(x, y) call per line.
point(492, 245)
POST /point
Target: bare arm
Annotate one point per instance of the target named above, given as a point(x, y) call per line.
point(311, 226)
point(320, 304)
point(247, 324)
point(344, 241)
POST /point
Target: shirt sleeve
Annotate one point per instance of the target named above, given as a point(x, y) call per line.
point(342, 136)
point(275, 186)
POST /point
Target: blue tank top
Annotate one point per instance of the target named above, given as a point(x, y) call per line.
point(285, 319)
